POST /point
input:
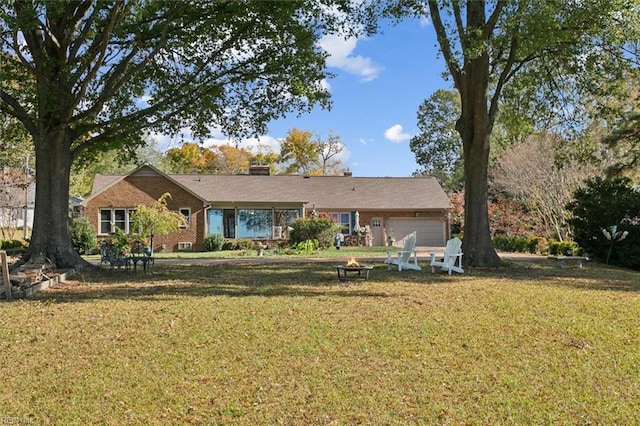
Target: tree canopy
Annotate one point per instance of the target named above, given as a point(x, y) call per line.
point(549, 51)
point(102, 73)
point(300, 153)
point(438, 148)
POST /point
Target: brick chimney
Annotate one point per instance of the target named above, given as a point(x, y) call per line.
point(348, 173)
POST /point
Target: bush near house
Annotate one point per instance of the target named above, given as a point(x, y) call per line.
point(214, 242)
point(237, 244)
point(83, 236)
point(320, 228)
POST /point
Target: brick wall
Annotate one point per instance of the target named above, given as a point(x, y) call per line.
point(136, 190)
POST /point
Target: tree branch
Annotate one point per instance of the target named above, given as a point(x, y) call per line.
point(445, 46)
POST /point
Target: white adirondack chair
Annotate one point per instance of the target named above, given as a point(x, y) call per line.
point(452, 259)
point(407, 258)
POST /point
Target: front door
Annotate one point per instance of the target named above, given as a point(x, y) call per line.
point(376, 231)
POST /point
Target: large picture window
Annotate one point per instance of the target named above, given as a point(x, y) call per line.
point(254, 223)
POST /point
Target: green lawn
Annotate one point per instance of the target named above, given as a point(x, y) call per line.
point(285, 343)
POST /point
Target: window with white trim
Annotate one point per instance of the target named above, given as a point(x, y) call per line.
point(344, 220)
point(110, 219)
point(186, 212)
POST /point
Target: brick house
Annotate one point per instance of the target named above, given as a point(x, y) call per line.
point(261, 206)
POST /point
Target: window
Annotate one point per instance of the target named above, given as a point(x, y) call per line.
point(185, 246)
point(222, 221)
point(344, 220)
point(283, 219)
point(110, 219)
point(254, 223)
point(186, 212)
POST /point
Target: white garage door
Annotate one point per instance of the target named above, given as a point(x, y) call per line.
point(429, 232)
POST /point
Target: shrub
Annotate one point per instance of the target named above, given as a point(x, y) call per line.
point(323, 229)
point(214, 242)
point(601, 204)
point(235, 244)
point(13, 244)
point(533, 244)
point(307, 246)
point(563, 248)
point(83, 236)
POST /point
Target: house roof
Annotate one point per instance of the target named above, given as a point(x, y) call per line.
point(103, 181)
point(323, 192)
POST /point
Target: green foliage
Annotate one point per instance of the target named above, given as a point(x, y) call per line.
point(120, 241)
point(535, 245)
point(75, 73)
point(156, 219)
point(83, 236)
point(307, 246)
point(563, 248)
point(604, 203)
point(237, 244)
point(322, 229)
point(13, 244)
point(438, 146)
point(214, 242)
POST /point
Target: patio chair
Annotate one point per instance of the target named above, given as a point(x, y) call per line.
point(452, 259)
point(407, 258)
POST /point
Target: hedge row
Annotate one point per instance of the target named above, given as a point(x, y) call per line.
point(13, 244)
point(535, 245)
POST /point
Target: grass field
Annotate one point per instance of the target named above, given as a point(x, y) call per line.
point(285, 343)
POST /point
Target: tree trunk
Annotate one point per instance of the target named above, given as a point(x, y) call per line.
point(50, 238)
point(475, 127)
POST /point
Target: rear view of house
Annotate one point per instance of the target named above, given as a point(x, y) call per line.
point(260, 206)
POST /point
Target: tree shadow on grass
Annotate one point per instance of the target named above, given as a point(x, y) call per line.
point(232, 280)
point(312, 278)
point(543, 271)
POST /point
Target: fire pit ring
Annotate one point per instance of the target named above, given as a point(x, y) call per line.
point(353, 272)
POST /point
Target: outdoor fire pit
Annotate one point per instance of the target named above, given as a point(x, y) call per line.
point(352, 270)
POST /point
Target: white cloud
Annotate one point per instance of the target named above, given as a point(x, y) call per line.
point(396, 134)
point(340, 52)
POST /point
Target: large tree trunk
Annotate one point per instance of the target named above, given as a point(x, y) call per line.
point(50, 238)
point(475, 127)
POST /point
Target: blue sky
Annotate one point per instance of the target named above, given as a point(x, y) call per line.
point(379, 84)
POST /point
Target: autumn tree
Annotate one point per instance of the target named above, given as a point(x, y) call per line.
point(553, 48)
point(102, 72)
point(302, 152)
point(329, 153)
point(298, 153)
point(191, 157)
point(232, 160)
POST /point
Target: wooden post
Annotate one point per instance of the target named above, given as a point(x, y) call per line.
point(5, 274)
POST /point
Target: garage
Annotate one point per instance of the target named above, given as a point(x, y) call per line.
point(429, 232)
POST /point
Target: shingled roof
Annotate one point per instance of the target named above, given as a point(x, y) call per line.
point(323, 192)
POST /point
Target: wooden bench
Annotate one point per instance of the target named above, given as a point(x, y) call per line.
point(563, 259)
